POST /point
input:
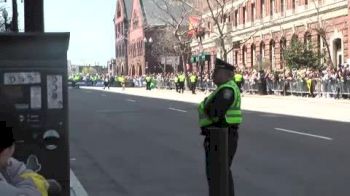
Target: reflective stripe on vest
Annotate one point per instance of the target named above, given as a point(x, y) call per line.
point(233, 114)
point(176, 80)
point(148, 79)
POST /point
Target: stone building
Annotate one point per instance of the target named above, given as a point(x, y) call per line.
point(258, 30)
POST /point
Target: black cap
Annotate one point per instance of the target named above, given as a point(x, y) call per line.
point(220, 64)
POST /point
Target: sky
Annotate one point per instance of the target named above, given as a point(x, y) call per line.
point(90, 23)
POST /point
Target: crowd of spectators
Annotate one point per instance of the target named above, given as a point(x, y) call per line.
point(328, 82)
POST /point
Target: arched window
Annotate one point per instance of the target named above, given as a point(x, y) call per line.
point(307, 39)
point(262, 51)
point(272, 54)
point(244, 56)
point(283, 45)
point(294, 39)
point(252, 55)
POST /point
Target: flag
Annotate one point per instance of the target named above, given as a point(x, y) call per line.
point(194, 22)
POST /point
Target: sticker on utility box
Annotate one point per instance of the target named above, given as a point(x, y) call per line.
point(15, 78)
point(54, 92)
point(35, 97)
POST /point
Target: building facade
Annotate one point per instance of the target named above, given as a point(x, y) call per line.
point(259, 30)
point(121, 22)
point(145, 35)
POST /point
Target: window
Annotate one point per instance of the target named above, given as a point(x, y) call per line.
point(272, 54)
point(262, 51)
point(236, 57)
point(307, 39)
point(306, 2)
point(262, 8)
point(282, 7)
point(252, 55)
point(252, 13)
point(244, 55)
point(244, 15)
point(224, 17)
point(272, 7)
point(236, 18)
point(283, 45)
point(293, 5)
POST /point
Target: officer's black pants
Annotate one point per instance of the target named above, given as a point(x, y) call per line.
point(148, 85)
point(232, 147)
point(182, 87)
point(193, 88)
point(239, 84)
point(177, 86)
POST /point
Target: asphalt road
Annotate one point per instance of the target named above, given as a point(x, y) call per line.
point(128, 145)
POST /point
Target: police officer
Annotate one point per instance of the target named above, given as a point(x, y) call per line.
point(121, 80)
point(176, 81)
point(220, 111)
point(148, 82)
point(182, 79)
point(193, 80)
point(239, 80)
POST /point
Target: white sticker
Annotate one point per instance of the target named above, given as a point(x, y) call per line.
point(35, 97)
point(54, 92)
point(13, 78)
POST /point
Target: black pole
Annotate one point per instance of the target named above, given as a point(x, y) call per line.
point(202, 67)
point(34, 15)
point(14, 23)
point(219, 169)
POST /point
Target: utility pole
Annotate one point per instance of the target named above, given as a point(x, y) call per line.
point(34, 15)
point(14, 23)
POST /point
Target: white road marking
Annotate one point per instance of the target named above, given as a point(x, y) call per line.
point(76, 189)
point(174, 109)
point(73, 159)
point(104, 95)
point(306, 134)
point(131, 100)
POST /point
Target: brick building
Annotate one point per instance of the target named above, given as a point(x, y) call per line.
point(139, 33)
point(262, 28)
point(121, 21)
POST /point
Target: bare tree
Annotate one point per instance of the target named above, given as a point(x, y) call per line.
point(321, 29)
point(3, 19)
point(176, 13)
point(218, 14)
point(9, 24)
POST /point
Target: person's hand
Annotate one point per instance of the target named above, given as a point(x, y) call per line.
point(39, 181)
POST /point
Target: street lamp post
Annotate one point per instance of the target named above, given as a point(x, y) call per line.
point(148, 44)
point(200, 36)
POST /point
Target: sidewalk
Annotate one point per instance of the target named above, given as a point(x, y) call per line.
point(320, 108)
